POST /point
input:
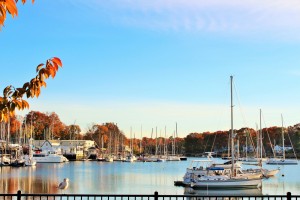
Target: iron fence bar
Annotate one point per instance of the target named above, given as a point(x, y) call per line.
point(289, 196)
point(20, 196)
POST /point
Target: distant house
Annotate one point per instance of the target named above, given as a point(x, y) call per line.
point(65, 146)
point(48, 146)
point(279, 149)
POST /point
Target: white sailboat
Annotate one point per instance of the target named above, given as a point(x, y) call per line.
point(109, 157)
point(283, 160)
point(265, 172)
point(220, 180)
point(173, 156)
point(29, 161)
point(130, 157)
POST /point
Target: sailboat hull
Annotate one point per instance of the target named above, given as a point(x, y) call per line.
point(281, 162)
point(228, 184)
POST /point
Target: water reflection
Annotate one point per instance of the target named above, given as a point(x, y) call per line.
point(125, 178)
point(14, 179)
point(223, 192)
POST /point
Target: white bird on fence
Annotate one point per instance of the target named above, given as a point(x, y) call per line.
point(64, 185)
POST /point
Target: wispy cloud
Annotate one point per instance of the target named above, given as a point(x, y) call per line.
point(271, 17)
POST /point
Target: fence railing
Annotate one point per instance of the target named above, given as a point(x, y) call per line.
point(20, 196)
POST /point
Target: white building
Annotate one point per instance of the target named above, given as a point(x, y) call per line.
point(66, 147)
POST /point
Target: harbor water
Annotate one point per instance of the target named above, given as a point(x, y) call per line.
point(92, 177)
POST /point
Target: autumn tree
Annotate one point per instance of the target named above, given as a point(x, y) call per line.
point(107, 134)
point(15, 128)
point(194, 143)
point(72, 132)
point(39, 122)
point(12, 97)
point(98, 133)
point(56, 126)
point(45, 125)
point(149, 145)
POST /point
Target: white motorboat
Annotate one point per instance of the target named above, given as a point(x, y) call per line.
point(48, 157)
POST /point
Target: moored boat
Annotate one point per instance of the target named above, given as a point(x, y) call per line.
point(48, 157)
point(279, 161)
point(218, 179)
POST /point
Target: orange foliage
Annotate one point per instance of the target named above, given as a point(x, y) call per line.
point(46, 126)
point(13, 97)
point(10, 7)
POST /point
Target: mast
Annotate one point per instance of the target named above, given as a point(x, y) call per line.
point(232, 136)
point(165, 142)
point(246, 145)
point(156, 150)
point(175, 139)
point(130, 142)
point(282, 132)
point(141, 139)
point(259, 142)
point(260, 136)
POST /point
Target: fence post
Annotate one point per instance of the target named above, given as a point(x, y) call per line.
point(288, 196)
point(19, 195)
point(155, 195)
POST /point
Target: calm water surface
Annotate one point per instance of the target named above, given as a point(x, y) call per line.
point(92, 177)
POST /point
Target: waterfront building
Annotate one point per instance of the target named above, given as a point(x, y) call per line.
point(71, 149)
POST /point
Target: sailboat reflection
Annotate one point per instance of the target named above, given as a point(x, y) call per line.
point(223, 192)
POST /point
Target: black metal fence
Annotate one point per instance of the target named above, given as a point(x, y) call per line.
point(155, 196)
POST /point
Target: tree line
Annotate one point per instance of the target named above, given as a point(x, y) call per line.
point(198, 143)
point(42, 126)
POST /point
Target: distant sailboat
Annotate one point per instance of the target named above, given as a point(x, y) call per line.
point(283, 160)
point(109, 156)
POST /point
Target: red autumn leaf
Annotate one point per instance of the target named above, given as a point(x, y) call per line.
point(51, 70)
point(55, 66)
point(57, 61)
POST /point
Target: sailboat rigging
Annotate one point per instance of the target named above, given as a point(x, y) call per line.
point(283, 160)
point(216, 178)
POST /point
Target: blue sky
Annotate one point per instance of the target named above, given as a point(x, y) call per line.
point(154, 63)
